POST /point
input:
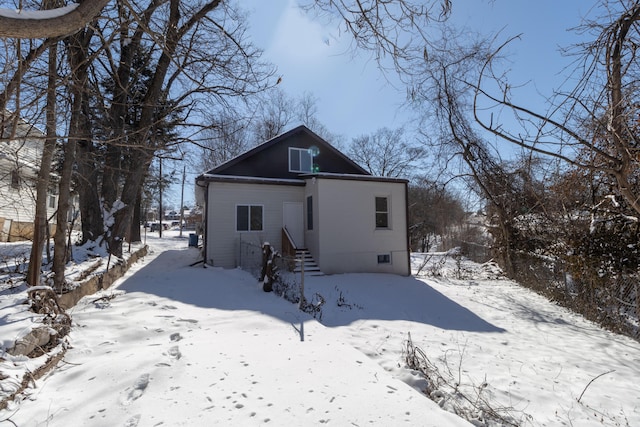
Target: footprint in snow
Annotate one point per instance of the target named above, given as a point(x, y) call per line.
point(175, 336)
point(187, 320)
point(174, 352)
point(133, 393)
point(133, 421)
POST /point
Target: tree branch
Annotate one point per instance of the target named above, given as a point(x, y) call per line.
point(58, 22)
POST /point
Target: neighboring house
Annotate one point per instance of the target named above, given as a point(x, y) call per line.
point(296, 191)
point(171, 215)
point(20, 155)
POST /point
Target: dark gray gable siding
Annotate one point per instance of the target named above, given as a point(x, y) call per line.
point(271, 159)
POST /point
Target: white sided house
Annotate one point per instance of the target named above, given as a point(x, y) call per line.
point(20, 155)
point(300, 194)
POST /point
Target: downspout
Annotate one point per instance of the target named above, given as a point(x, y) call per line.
point(205, 218)
point(406, 211)
point(204, 221)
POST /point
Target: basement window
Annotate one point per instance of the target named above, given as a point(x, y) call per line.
point(384, 259)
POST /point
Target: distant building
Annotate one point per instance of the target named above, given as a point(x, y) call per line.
point(20, 156)
point(172, 215)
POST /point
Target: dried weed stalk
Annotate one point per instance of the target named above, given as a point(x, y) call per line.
point(475, 405)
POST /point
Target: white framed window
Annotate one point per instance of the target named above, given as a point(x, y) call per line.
point(382, 212)
point(300, 160)
point(52, 201)
point(249, 217)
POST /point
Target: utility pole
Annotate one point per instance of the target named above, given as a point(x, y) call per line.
point(184, 175)
point(160, 187)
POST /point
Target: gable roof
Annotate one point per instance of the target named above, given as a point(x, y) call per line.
point(270, 159)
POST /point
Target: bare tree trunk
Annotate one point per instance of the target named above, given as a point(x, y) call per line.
point(87, 170)
point(618, 107)
point(637, 289)
point(132, 186)
point(87, 179)
point(60, 236)
point(79, 66)
point(47, 25)
point(134, 232)
point(112, 175)
point(87, 187)
point(40, 234)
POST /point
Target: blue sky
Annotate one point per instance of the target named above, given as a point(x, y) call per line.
point(310, 57)
point(355, 98)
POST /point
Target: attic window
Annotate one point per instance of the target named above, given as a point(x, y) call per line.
point(300, 160)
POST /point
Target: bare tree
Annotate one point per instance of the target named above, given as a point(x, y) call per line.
point(23, 64)
point(307, 110)
point(275, 113)
point(598, 115)
point(444, 99)
point(307, 114)
point(594, 125)
point(77, 52)
point(198, 56)
point(40, 223)
point(25, 74)
point(386, 152)
point(227, 137)
point(141, 144)
point(589, 132)
point(232, 130)
point(434, 215)
point(202, 58)
point(391, 30)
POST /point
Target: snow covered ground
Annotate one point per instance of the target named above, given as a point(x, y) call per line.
point(177, 345)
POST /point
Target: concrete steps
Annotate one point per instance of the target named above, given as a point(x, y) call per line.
point(311, 267)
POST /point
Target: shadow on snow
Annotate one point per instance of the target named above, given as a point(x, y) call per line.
point(362, 296)
point(391, 297)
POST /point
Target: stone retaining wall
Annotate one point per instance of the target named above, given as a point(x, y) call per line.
point(99, 281)
point(42, 335)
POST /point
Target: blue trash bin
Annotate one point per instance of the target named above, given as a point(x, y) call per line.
point(193, 240)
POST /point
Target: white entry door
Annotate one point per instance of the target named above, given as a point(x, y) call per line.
point(293, 219)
